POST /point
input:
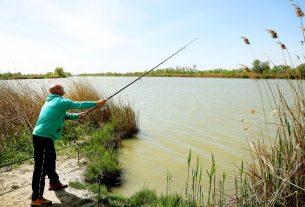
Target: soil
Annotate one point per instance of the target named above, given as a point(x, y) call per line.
point(15, 186)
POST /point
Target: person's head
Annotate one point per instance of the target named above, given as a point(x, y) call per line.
point(57, 89)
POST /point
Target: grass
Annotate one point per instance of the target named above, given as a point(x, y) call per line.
point(16, 148)
point(77, 185)
point(147, 197)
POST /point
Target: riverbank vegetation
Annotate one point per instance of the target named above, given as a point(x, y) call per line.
point(259, 70)
point(57, 73)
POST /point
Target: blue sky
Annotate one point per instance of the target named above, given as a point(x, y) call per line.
point(134, 35)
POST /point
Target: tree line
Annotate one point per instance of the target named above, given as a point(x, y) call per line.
point(57, 73)
point(259, 69)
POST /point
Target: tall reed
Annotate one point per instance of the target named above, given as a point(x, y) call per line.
point(277, 172)
point(19, 108)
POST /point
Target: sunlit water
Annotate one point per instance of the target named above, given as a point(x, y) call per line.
point(208, 116)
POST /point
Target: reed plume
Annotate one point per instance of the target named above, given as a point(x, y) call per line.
point(298, 11)
point(273, 33)
point(247, 42)
point(283, 47)
point(300, 14)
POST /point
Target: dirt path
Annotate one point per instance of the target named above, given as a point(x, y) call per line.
point(18, 181)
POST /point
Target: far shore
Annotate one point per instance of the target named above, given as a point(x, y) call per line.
point(163, 73)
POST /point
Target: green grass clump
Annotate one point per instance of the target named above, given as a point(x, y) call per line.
point(104, 163)
point(173, 201)
point(102, 157)
point(145, 197)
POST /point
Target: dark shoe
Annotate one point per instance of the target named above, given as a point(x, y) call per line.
point(57, 186)
point(41, 202)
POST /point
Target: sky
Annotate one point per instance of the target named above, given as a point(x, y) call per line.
point(96, 36)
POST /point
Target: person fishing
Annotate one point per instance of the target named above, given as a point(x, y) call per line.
point(48, 129)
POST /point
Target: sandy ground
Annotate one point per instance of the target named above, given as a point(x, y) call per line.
point(15, 186)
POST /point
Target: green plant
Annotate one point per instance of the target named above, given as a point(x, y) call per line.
point(145, 197)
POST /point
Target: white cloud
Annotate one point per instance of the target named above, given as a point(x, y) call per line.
point(83, 24)
point(43, 34)
point(98, 23)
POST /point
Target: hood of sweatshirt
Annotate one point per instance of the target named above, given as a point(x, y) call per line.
point(53, 96)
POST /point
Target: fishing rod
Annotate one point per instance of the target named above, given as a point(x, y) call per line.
point(145, 73)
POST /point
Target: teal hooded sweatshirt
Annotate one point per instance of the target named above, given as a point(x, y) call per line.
point(51, 119)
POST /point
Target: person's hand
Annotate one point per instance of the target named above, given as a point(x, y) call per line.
point(82, 115)
point(100, 104)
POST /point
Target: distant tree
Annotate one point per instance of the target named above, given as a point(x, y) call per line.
point(59, 72)
point(301, 70)
point(194, 67)
point(259, 66)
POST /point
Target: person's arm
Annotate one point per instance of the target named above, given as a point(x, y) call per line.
point(67, 104)
point(72, 116)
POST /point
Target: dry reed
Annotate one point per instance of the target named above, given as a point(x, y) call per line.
point(19, 107)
